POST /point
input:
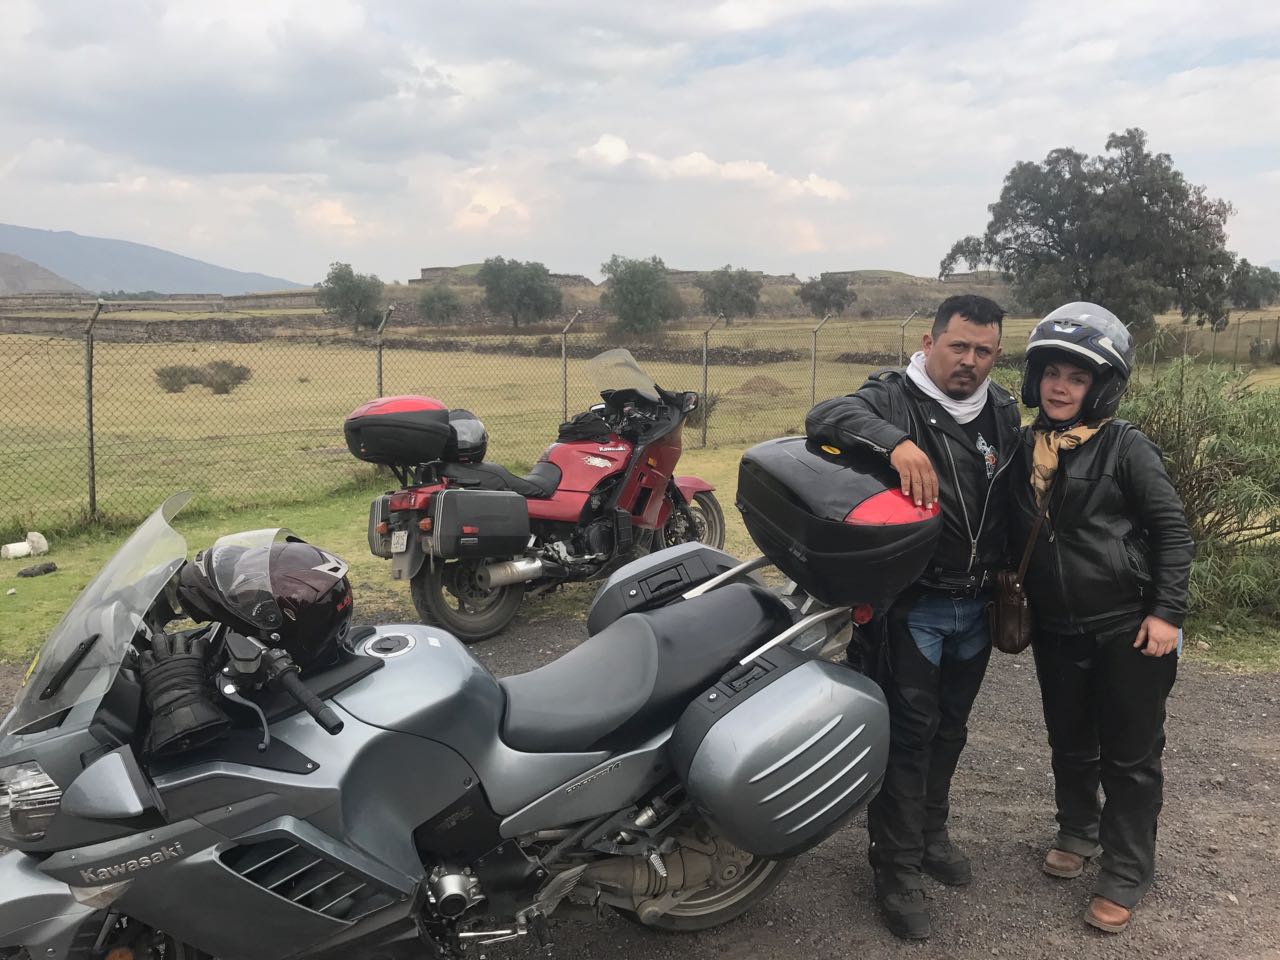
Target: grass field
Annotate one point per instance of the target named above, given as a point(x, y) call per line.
point(280, 433)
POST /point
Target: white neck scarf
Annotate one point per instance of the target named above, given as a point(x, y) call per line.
point(962, 411)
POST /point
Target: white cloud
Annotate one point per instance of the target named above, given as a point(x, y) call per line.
point(282, 134)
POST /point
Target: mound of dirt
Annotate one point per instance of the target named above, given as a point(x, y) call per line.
point(761, 386)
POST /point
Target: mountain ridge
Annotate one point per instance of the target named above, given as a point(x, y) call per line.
point(101, 263)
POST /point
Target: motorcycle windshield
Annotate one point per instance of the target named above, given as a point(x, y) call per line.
point(80, 659)
point(618, 370)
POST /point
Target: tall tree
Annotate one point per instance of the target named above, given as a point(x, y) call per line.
point(825, 294)
point(1252, 288)
point(640, 294)
point(439, 304)
point(354, 298)
point(730, 293)
point(521, 291)
point(1123, 229)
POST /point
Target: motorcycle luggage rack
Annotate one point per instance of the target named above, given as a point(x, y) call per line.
point(748, 566)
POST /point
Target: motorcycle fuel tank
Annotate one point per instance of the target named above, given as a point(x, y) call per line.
point(583, 465)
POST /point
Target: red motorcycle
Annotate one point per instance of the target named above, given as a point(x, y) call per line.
point(471, 537)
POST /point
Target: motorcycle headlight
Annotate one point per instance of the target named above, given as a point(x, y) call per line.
point(29, 800)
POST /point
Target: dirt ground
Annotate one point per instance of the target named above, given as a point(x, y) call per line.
point(1216, 895)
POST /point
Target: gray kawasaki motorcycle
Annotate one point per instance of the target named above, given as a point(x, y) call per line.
point(392, 798)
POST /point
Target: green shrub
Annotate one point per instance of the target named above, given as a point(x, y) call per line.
point(176, 378)
point(223, 376)
point(1221, 444)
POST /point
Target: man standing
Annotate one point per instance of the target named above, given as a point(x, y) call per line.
point(950, 433)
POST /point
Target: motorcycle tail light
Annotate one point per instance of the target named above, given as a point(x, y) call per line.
point(29, 801)
point(425, 524)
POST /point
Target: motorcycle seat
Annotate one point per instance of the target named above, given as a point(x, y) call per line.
point(635, 677)
point(538, 484)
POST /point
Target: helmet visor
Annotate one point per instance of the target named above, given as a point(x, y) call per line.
point(240, 568)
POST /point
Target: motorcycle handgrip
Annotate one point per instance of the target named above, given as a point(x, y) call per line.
point(321, 712)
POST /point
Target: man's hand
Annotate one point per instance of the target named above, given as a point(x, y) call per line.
point(916, 473)
point(1156, 637)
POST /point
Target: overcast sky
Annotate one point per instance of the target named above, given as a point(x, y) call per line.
point(797, 136)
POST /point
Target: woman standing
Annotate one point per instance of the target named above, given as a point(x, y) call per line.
point(1107, 583)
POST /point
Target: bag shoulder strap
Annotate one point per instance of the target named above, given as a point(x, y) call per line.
point(1035, 532)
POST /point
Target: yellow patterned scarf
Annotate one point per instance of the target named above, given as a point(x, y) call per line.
point(1049, 443)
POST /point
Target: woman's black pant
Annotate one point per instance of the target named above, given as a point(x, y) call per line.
point(1104, 708)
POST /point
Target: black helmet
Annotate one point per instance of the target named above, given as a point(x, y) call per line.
point(1088, 336)
point(274, 586)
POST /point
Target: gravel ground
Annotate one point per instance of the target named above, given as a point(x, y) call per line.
point(1219, 861)
point(1218, 882)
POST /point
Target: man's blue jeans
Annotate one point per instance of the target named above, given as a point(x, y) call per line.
point(936, 651)
point(956, 629)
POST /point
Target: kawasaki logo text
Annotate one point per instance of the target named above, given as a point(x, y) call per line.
point(98, 875)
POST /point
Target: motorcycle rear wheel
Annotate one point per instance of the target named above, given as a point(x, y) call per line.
point(448, 596)
point(714, 906)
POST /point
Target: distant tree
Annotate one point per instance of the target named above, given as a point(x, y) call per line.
point(354, 298)
point(640, 294)
point(1123, 229)
point(440, 304)
point(825, 294)
point(132, 295)
point(729, 292)
point(1251, 288)
point(521, 291)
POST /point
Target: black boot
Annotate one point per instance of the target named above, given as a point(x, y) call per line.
point(900, 898)
point(945, 862)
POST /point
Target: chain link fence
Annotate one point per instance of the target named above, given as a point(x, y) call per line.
point(101, 422)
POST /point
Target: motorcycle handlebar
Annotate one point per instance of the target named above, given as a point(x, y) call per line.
point(321, 712)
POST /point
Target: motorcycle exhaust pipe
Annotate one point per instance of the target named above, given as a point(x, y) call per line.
point(507, 572)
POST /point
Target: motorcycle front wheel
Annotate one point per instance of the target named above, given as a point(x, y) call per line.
point(448, 595)
point(707, 523)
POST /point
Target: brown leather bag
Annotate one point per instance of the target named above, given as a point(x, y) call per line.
point(1009, 611)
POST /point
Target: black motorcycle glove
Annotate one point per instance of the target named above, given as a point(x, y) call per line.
point(183, 716)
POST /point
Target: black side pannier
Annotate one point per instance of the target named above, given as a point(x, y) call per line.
point(835, 523)
point(398, 431)
point(474, 524)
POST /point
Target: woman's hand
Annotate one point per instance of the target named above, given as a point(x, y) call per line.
point(1156, 637)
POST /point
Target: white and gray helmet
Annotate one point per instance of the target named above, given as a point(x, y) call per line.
point(1088, 336)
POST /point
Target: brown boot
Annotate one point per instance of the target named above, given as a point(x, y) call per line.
point(1107, 915)
point(1061, 863)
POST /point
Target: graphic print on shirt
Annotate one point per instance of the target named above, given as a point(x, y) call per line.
point(989, 455)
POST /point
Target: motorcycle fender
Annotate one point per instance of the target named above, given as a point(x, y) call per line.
point(405, 566)
point(688, 486)
point(36, 911)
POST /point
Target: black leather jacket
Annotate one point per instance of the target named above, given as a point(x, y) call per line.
point(888, 409)
point(1115, 542)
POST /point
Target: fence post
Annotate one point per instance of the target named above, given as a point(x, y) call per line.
point(88, 408)
point(564, 367)
point(385, 317)
point(1235, 356)
point(902, 338)
point(813, 365)
point(706, 340)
